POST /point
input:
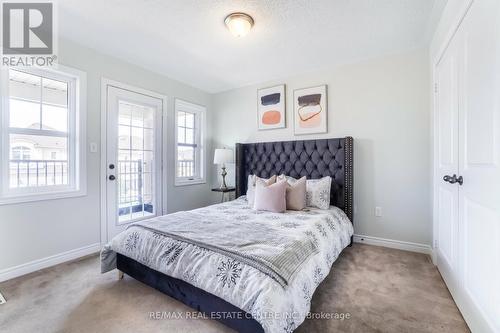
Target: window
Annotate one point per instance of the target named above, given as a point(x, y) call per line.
point(20, 153)
point(42, 142)
point(189, 145)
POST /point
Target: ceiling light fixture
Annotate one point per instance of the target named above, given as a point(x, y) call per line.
point(239, 24)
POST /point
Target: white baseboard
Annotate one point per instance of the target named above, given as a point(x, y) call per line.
point(35, 265)
point(434, 257)
point(394, 244)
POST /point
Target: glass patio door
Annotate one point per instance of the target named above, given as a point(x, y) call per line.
point(134, 124)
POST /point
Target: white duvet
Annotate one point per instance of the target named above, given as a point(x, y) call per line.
point(276, 308)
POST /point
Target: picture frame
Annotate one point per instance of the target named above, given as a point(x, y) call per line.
point(310, 110)
point(271, 107)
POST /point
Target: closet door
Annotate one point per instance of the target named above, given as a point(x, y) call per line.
point(479, 164)
point(446, 159)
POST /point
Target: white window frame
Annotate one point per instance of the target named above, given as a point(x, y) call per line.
point(200, 129)
point(77, 111)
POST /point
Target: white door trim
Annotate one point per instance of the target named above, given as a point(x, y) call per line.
point(460, 11)
point(105, 83)
point(472, 313)
point(435, 59)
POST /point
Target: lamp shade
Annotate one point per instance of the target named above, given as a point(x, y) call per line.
point(223, 156)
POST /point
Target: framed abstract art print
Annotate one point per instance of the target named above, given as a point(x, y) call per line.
point(271, 107)
point(310, 110)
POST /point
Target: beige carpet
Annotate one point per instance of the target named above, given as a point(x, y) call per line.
point(383, 290)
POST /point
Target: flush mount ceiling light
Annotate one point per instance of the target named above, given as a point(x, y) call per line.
point(239, 24)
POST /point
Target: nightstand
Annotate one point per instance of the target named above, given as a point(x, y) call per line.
point(224, 191)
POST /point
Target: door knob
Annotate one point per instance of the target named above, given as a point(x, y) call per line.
point(454, 179)
point(112, 177)
point(111, 166)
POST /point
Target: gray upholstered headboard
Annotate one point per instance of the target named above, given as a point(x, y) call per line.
point(311, 158)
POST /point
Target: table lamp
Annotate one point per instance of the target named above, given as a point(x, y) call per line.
point(221, 157)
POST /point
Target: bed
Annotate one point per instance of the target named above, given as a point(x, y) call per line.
point(266, 286)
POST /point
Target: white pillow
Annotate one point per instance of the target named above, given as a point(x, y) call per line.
point(317, 191)
point(252, 180)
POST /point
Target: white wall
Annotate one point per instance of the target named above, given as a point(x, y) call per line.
point(33, 231)
point(384, 104)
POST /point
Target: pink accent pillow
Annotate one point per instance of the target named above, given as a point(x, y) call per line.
point(271, 198)
point(252, 180)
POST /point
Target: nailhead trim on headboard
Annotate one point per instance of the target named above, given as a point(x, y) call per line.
point(349, 177)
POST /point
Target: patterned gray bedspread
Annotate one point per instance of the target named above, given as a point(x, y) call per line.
point(260, 244)
point(278, 308)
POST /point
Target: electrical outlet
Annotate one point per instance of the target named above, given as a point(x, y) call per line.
point(2, 299)
point(378, 211)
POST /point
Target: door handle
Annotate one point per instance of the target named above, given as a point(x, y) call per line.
point(454, 179)
point(112, 177)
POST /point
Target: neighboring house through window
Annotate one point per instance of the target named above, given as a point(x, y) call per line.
point(20, 153)
point(189, 145)
point(43, 137)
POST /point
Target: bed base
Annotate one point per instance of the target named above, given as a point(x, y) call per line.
point(196, 298)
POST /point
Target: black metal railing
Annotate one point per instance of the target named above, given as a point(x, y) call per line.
point(130, 177)
point(24, 173)
point(131, 197)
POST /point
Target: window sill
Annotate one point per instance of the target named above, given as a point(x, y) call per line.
point(24, 198)
point(182, 182)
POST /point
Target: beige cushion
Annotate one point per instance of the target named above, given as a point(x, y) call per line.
point(317, 191)
point(295, 193)
point(272, 197)
point(252, 179)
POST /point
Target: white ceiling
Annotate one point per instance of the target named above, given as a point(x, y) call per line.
point(187, 40)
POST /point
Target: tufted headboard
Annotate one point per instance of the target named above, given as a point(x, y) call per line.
point(311, 158)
